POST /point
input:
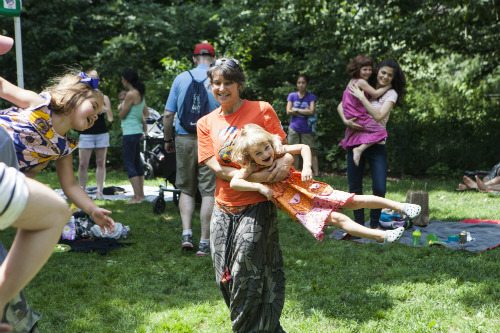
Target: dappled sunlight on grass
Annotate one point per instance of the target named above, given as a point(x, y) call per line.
point(151, 286)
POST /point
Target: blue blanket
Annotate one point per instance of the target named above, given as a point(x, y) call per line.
point(484, 236)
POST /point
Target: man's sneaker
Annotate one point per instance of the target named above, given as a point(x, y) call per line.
point(203, 250)
point(187, 242)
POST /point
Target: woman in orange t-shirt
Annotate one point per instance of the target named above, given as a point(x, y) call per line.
point(244, 240)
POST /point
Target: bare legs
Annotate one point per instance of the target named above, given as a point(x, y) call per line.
point(357, 151)
point(137, 183)
point(83, 167)
point(372, 201)
point(207, 207)
point(482, 185)
point(84, 155)
point(39, 228)
point(186, 207)
point(343, 222)
point(352, 228)
point(100, 172)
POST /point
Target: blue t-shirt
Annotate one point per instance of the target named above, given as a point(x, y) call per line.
point(178, 91)
point(300, 123)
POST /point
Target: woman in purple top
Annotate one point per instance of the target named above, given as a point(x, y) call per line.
point(360, 69)
point(388, 73)
point(301, 107)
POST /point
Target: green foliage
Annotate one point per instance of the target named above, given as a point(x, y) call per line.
point(448, 49)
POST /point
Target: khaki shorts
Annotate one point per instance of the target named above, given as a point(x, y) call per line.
point(307, 139)
point(190, 175)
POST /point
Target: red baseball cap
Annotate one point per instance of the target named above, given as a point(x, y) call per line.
point(204, 48)
point(5, 44)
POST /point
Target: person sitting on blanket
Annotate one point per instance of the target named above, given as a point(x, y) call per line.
point(312, 203)
point(481, 185)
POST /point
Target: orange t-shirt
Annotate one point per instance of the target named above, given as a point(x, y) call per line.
point(216, 134)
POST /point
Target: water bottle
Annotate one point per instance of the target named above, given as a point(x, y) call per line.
point(69, 230)
point(416, 235)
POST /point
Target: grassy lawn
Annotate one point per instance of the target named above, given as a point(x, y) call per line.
point(332, 286)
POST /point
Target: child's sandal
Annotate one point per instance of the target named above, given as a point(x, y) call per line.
point(393, 235)
point(411, 210)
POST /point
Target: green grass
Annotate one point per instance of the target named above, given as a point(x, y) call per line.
point(332, 286)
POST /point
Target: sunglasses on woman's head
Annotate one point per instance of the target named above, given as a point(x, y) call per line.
point(233, 63)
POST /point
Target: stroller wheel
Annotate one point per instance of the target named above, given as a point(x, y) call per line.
point(148, 171)
point(159, 205)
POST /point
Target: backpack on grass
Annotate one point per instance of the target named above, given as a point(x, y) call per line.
point(194, 106)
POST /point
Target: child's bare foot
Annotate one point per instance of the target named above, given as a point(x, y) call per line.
point(356, 155)
point(393, 235)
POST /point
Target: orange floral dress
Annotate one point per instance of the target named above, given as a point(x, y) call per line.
point(310, 203)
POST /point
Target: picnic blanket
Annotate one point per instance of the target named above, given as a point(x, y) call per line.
point(150, 193)
point(485, 235)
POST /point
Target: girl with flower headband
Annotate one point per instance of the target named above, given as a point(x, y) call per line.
point(39, 123)
point(313, 203)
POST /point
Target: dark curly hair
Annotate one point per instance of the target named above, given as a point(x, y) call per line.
point(356, 63)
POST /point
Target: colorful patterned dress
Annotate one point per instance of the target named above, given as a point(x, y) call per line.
point(310, 203)
point(35, 140)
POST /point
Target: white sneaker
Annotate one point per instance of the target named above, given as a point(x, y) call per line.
point(411, 210)
point(393, 235)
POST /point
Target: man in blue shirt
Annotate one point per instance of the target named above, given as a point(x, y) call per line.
point(190, 177)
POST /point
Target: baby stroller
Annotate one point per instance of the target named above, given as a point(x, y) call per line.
point(157, 162)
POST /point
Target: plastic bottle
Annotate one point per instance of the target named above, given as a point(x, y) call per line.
point(416, 235)
point(69, 230)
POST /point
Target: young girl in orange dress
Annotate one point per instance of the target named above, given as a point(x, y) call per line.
point(312, 203)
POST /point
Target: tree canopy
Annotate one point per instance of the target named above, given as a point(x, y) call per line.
point(450, 119)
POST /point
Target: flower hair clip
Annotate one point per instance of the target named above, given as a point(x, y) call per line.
point(92, 82)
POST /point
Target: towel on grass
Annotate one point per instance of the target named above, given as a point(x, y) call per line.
point(150, 193)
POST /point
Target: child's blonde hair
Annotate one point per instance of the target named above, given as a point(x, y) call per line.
point(68, 92)
point(250, 136)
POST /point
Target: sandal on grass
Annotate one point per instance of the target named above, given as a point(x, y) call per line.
point(393, 235)
point(411, 210)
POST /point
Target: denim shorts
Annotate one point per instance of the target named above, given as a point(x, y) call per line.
point(91, 141)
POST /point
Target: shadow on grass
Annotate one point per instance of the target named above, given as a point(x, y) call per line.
point(152, 286)
point(364, 282)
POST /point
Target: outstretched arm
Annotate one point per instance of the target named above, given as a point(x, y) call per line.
point(64, 168)
point(305, 152)
point(18, 96)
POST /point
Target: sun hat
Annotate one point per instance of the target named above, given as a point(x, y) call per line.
point(5, 44)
